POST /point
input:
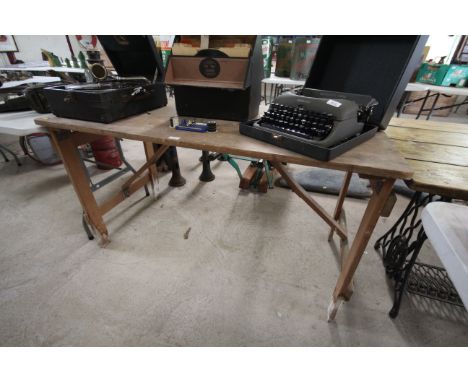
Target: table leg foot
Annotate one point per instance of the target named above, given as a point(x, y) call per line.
point(206, 175)
point(104, 240)
point(333, 308)
point(153, 190)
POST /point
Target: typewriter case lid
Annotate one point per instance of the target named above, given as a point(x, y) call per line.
point(134, 56)
point(380, 66)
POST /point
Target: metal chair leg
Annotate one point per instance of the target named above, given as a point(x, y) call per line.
point(15, 157)
point(3, 154)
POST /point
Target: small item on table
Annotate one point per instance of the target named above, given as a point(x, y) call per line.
point(211, 126)
point(188, 125)
point(193, 125)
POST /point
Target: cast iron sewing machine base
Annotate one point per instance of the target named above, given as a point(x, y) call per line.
point(400, 247)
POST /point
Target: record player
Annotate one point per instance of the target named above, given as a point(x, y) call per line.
point(137, 88)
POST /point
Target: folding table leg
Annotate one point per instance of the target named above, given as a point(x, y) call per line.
point(341, 198)
point(72, 162)
point(381, 191)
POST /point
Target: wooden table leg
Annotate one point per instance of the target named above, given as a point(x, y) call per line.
point(341, 199)
point(147, 166)
point(149, 152)
point(71, 159)
point(381, 191)
point(153, 169)
point(299, 190)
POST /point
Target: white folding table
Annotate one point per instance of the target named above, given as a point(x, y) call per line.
point(278, 83)
point(32, 80)
point(20, 124)
point(432, 91)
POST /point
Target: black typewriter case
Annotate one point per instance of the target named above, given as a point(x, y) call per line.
point(109, 101)
point(310, 150)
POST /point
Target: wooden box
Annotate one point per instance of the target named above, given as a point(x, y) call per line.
point(217, 77)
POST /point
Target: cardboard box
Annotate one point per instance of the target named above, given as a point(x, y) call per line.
point(456, 75)
point(433, 74)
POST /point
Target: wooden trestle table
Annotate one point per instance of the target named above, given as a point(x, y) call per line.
point(376, 160)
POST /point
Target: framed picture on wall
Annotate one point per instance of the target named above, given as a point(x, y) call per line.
point(8, 43)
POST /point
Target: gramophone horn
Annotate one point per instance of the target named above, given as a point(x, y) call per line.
point(99, 71)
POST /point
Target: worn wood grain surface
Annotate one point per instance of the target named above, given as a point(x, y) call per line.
point(437, 152)
point(377, 157)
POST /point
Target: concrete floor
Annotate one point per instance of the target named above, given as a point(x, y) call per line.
point(256, 270)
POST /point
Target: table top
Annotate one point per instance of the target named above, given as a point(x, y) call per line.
point(449, 90)
point(283, 81)
point(20, 123)
point(416, 87)
point(33, 80)
point(437, 152)
point(375, 157)
point(45, 68)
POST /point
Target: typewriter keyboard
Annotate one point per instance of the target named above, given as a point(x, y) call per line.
point(298, 121)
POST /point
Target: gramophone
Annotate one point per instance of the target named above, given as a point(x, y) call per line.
point(136, 88)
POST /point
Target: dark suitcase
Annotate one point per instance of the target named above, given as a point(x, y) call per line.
point(19, 103)
point(108, 101)
point(36, 98)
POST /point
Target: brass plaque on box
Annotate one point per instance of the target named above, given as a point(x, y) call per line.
point(209, 68)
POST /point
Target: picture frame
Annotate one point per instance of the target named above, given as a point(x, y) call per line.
point(8, 44)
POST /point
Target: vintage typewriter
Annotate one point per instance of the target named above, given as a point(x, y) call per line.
point(317, 123)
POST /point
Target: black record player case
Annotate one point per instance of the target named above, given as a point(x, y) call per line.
point(108, 101)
